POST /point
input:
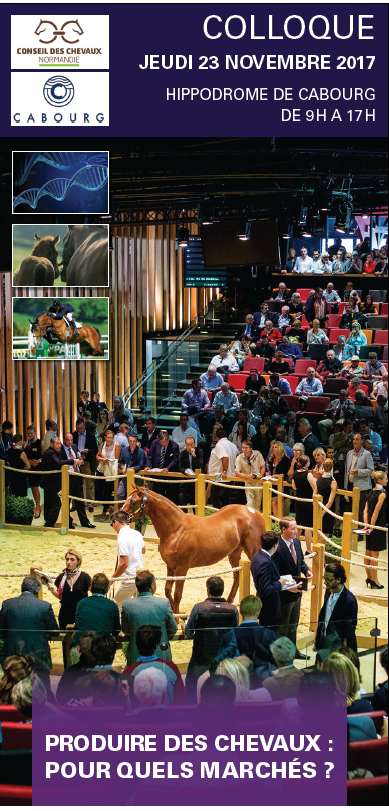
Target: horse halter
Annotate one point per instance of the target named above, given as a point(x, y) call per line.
point(140, 510)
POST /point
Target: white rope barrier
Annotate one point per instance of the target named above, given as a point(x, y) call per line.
point(282, 518)
point(359, 554)
point(240, 487)
point(369, 526)
point(290, 495)
point(173, 480)
point(94, 500)
point(182, 577)
point(352, 562)
point(327, 510)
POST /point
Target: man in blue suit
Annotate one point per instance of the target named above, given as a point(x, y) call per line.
point(289, 560)
point(339, 614)
point(267, 581)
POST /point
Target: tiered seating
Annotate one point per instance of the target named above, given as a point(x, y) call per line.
point(335, 332)
point(371, 791)
point(371, 755)
point(8, 712)
point(381, 336)
point(254, 363)
point(16, 735)
point(15, 795)
point(302, 364)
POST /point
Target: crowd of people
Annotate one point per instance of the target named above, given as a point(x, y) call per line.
point(338, 260)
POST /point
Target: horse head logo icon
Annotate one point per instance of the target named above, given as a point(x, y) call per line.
point(70, 31)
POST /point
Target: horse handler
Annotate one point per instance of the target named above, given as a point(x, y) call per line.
point(130, 550)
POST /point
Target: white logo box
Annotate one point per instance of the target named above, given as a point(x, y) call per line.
point(89, 106)
point(66, 41)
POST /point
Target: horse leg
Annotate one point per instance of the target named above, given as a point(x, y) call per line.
point(178, 589)
point(169, 586)
point(234, 559)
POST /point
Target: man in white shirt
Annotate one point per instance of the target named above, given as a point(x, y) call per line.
point(222, 464)
point(183, 431)
point(121, 438)
point(303, 262)
point(250, 466)
point(317, 264)
point(225, 360)
point(130, 549)
point(331, 295)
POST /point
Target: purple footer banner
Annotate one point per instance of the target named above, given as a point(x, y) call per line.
point(191, 756)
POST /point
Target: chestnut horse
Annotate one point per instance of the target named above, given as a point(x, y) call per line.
point(187, 540)
point(60, 332)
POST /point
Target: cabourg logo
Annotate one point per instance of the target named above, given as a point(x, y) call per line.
point(58, 91)
point(70, 31)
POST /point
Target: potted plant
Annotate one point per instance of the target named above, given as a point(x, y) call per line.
point(19, 509)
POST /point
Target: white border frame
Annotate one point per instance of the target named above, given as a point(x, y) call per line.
point(60, 359)
point(57, 213)
point(62, 286)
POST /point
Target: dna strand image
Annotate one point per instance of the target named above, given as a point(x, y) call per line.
point(89, 173)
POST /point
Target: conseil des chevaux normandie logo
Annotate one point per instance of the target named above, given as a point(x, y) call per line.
point(50, 41)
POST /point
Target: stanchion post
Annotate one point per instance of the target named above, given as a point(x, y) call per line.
point(65, 499)
point(266, 501)
point(356, 497)
point(130, 477)
point(244, 579)
point(2, 492)
point(317, 583)
point(280, 497)
point(200, 494)
point(346, 542)
point(317, 524)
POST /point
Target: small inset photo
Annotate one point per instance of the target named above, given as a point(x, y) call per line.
point(57, 255)
point(60, 328)
point(60, 182)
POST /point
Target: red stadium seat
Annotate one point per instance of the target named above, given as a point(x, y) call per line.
point(317, 404)
point(254, 363)
point(237, 381)
point(372, 755)
point(385, 353)
point(376, 715)
point(370, 791)
point(341, 307)
point(384, 308)
point(304, 292)
point(380, 336)
point(333, 334)
point(333, 320)
point(293, 382)
point(305, 323)
point(8, 712)
point(16, 735)
point(15, 795)
point(302, 364)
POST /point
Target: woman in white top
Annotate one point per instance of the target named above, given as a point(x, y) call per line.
point(107, 468)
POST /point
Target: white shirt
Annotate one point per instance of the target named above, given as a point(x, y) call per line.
point(130, 544)
point(223, 448)
point(179, 436)
point(121, 439)
point(303, 265)
point(229, 361)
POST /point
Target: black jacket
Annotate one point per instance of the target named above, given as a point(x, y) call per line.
point(90, 447)
point(184, 462)
point(208, 626)
point(254, 641)
point(343, 621)
point(286, 565)
point(147, 442)
point(266, 578)
point(172, 455)
point(53, 461)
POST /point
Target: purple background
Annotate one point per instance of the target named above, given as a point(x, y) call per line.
point(329, 721)
point(138, 106)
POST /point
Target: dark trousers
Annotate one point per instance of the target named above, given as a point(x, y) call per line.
point(364, 495)
point(193, 674)
point(51, 506)
point(104, 491)
point(290, 617)
point(76, 489)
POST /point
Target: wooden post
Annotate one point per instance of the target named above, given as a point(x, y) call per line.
point(244, 579)
point(65, 499)
point(317, 583)
point(200, 493)
point(266, 504)
point(280, 498)
point(317, 523)
point(2, 492)
point(130, 477)
point(346, 541)
point(356, 497)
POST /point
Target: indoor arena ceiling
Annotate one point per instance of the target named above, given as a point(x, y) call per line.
point(187, 172)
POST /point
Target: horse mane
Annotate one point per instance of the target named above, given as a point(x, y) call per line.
point(158, 497)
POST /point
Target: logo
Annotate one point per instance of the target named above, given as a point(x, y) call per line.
point(70, 31)
point(58, 91)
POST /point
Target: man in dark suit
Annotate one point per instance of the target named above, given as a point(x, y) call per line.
point(339, 614)
point(147, 609)
point(289, 560)
point(267, 581)
point(52, 460)
point(26, 626)
point(165, 455)
point(86, 444)
point(309, 440)
point(70, 454)
point(149, 434)
point(97, 613)
point(190, 459)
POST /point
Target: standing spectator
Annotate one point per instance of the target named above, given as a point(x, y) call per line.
point(338, 616)
point(291, 260)
point(183, 431)
point(289, 560)
point(164, 453)
point(316, 306)
point(326, 486)
point(250, 466)
point(27, 625)
point(71, 586)
point(16, 458)
point(132, 457)
point(149, 434)
point(208, 625)
point(86, 445)
point(303, 490)
point(338, 264)
point(369, 264)
point(84, 403)
point(356, 263)
point(121, 438)
point(326, 263)
point(107, 470)
point(69, 453)
point(358, 469)
point(119, 414)
point(50, 433)
point(267, 581)
point(97, 408)
point(147, 609)
point(97, 612)
point(52, 460)
point(309, 440)
point(380, 698)
point(211, 380)
point(33, 451)
point(317, 264)
point(375, 513)
point(130, 548)
point(303, 262)
point(190, 458)
point(310, 385)
point(222, 464)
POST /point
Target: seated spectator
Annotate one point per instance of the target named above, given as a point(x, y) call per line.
point(353, 369)
point(253, 640)
point(374, 368)
point(317, 264)
point(330, 366)
point(270, 331)
point(190, 459)
point(21, 697)
point(337, 247)
point(196, 397)
point(285, 680)
point(218, 691)
point(285, 319)
point(347, 682)
point(64, 692)
point(338, 264)
point(316, 306)
point(253, 385)
point(316, 335)
point(363, 408)
point(303, 262)
point(309, 385)
point(250, 330)
point(380, 387)
point(164, 454)
point(226, 398)
point(289, 348)
point(356, 263)
point(340, 408)
point(296, 306)
point(211, 380)
point(183, 431)
point(356, 339)
point(368, 306)
point(332, 297)
point(279, 364)
point(380, 698)
point(14, 669)
point(225, 361)
point(339, 348)
point(369, 264)
point(243, 419)
point(280, 383)
point(326, 263)
point(296, 332)
point(149, 434)
point(281, 293)
point(148, 641)
point(264, 315)
point(208, 625)
point(147, 609)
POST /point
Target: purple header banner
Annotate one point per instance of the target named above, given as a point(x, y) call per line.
point(194, 70)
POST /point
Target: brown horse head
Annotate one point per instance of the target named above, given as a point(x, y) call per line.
point(46, 246)
point(39, 326)
point(136, 501)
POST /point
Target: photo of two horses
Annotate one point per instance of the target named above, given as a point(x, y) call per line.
point(57, 255)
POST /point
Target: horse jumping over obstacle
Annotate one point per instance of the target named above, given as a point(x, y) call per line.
point(59, 332)
point(187, 541)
